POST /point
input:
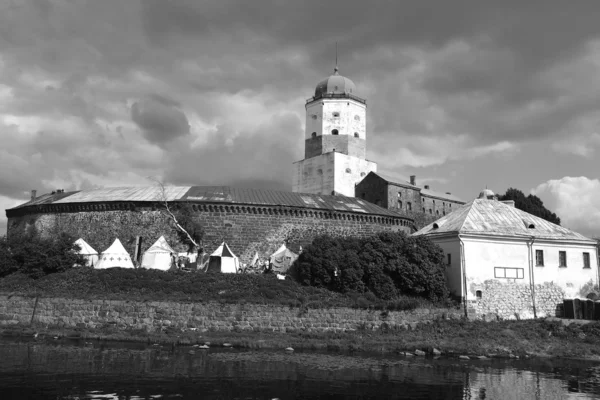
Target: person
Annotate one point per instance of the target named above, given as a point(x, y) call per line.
point(173, 261)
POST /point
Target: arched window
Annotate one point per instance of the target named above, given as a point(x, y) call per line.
point(314, 134)
point(334, 132)
point(423, 209)
point(336, 114)
point(356, 135)
point(437, 212)
point(430, 212)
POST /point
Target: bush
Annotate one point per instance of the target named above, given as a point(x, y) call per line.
point(386, 265)
point(36, 256)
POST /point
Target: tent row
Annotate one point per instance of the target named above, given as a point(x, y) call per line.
point(161, 256)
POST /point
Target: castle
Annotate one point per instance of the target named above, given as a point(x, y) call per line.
point(336, 191)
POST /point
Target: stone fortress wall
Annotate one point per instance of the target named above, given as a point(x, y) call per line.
point(246, 229)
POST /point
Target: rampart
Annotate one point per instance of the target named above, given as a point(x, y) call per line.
point(156, 316)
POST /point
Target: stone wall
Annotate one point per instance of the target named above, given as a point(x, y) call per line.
point(154, 316)
point(514, 300)
point(246, 229)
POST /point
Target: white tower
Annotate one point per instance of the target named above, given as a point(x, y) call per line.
point(335, 140)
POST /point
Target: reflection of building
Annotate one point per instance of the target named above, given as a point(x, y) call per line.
point(504, 260)
point(335, 140)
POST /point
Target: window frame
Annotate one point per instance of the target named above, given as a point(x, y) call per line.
point(586, 260)
point(562, 259)
point(518, 271)
point(539, 252)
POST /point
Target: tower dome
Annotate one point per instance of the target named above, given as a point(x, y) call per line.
point(486, 194)
point(335, 84)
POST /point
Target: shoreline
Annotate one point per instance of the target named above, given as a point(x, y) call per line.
point(452, 339)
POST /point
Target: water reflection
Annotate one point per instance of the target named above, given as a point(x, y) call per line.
point(32, 370)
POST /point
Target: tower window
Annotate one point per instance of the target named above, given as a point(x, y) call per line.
point(314, 116)
point(430, 212)
point(409, 206)
point(400, 204)
point(334, 132)
point(362, 174)
point(356, 134)
point(348, 170)
point(336, 114)
point(314, 134)
point(356, 118)
point(437, 212)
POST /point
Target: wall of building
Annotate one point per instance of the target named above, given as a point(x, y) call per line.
point(437, 207)
point(320, 117)
point(315, 146)
point(246, 229)
point(453, 270)
point(403, 199)
point(348, 171)
point(154, 316)
point(314, 175)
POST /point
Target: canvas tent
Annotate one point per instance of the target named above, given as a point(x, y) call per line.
point(282, 259)
point(158, 256)
point(223, 260)
point(115, 256)
point(90, 255)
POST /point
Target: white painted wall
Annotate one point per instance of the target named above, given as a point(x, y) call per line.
point(352, 117)
point(483, 254)
point(328, 172)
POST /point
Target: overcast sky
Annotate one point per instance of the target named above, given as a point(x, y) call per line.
point(463, 94)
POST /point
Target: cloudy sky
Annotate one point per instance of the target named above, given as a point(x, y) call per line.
point(462, 94)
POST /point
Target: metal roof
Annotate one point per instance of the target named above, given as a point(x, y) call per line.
point(216, 194)
point(492, 217)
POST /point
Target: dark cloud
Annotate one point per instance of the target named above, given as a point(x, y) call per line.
point(159, 119)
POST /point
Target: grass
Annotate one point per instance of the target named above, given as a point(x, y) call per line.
point(152, 285)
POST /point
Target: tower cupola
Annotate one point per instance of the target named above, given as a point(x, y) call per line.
point(336, 84)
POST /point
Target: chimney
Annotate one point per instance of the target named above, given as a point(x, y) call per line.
point(426, 187)
point(33, 194)
point(413, 180)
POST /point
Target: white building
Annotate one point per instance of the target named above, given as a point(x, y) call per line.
point(335, 140)
point(503, 260)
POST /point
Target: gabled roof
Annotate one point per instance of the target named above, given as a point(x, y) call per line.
point(492, 217)
point(223, 251)
point(116, 248)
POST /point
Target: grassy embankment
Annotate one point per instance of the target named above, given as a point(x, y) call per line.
point(452, 337)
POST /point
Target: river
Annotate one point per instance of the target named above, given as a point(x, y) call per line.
point(57, 369)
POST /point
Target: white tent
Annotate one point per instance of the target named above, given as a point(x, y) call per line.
point(115, 256)
point(90, 255)
point(283, 259)
point(223, 260)
point(158, 256)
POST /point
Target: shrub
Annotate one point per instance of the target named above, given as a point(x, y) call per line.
point(386, 265)
point(36, 256)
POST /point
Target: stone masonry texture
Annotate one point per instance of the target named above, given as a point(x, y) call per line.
point(246, 229)
point(155, 316)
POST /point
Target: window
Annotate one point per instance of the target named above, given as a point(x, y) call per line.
point(423, 209)
point(336, 114)
point(399, 195)
point(586, 260)
point(314, 134)
point(508, 273)
point(400, 204)
point(539, 258)
point(430, 212)
point(409, 206)
point(362, 174)
point(562, 258)
point(334, 132)
point(437, 212)
point(363, 195)
point(348, 170)
point(449, 259)
point(444, 213)
point(478, 294)
point(356, 135)
point(356, 118)
point(314, 116)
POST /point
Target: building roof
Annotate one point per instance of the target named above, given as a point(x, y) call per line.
point(214, 194)
point(492, 217)
point(424, 192)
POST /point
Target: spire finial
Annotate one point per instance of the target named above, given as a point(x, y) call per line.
point(336, 69)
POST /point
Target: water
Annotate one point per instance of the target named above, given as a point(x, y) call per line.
point(76, 370)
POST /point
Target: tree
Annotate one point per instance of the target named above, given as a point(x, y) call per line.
point(386, 264)
point(188, 229)
point(530, 204)
point(30, 253)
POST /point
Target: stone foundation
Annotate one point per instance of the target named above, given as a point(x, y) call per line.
point(155, 316)
point(514, 301)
